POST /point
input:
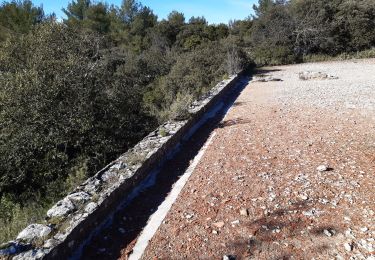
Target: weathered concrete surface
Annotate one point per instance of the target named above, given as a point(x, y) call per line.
point(290, 173)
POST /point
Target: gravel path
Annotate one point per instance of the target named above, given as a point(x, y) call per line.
point(257, 193)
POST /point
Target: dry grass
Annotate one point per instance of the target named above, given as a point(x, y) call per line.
point(17, 218)
point(367, 54)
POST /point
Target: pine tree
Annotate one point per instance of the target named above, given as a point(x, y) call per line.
point(129, 9)
point(19, 17)
point(77, 10)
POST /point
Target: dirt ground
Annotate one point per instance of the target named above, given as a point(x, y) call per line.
point(257, 193)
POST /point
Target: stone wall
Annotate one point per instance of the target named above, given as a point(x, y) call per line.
point(73, 219)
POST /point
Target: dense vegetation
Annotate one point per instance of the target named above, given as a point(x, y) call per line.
point(77, 93)
point(288, 31)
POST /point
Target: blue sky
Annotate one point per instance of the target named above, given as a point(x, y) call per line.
point(215, 11)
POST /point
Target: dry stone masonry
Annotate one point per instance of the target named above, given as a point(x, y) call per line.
point(71, 220)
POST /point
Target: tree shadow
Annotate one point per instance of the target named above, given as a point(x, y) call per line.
point(238, 104)
point(264, 75)
point(232, 122)
point(261, 71)
point(266, 241)
point(119, 237)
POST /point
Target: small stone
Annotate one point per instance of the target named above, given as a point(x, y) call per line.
point(188, 216)
point(236, 222)
point(364, 229)
point(215, 232)
point(349, 233)
point(244, 212)
point(61, 209)
point(92, 185)
point(219, 224)
point(327, 233)
point(50, 243)
point(34, 231)
point(304, 197)
point(91, 207)
point(109, 176)
point(78, 197)
point(118, 166)
point(311, 213)
point(348, 247)
point(229, 257)
point(322, 168)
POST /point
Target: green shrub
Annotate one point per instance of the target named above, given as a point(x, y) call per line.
point(163, 132)
point(62, 106)
point(192, 75)
point(365, 54)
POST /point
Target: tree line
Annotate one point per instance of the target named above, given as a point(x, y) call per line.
point(287, 31)
point(74, 94)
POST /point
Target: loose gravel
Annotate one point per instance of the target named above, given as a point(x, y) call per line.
point(260, 190)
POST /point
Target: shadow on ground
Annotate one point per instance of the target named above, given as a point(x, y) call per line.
point(233, 122)
point(119, 237)
point(262, 71)
point(270, 232)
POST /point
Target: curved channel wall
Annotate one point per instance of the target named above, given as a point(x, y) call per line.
point(71, 221)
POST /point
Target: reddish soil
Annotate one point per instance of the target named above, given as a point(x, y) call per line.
point(257, 194)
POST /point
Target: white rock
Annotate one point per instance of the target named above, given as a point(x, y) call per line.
point(78, 197)
point(92, 185)
point(327, 233)
point(109, 175)
point(60, 236)
point(91, 207)
point(118, 166)
point(61, 208)
point(189, 216)
point(34, 231)
point(348, 247)
point(244, 212)
point(50, 243)
point(312, 213)
point(364, 229)
point(322, 168)
point(349, 233)
point(236, 222)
